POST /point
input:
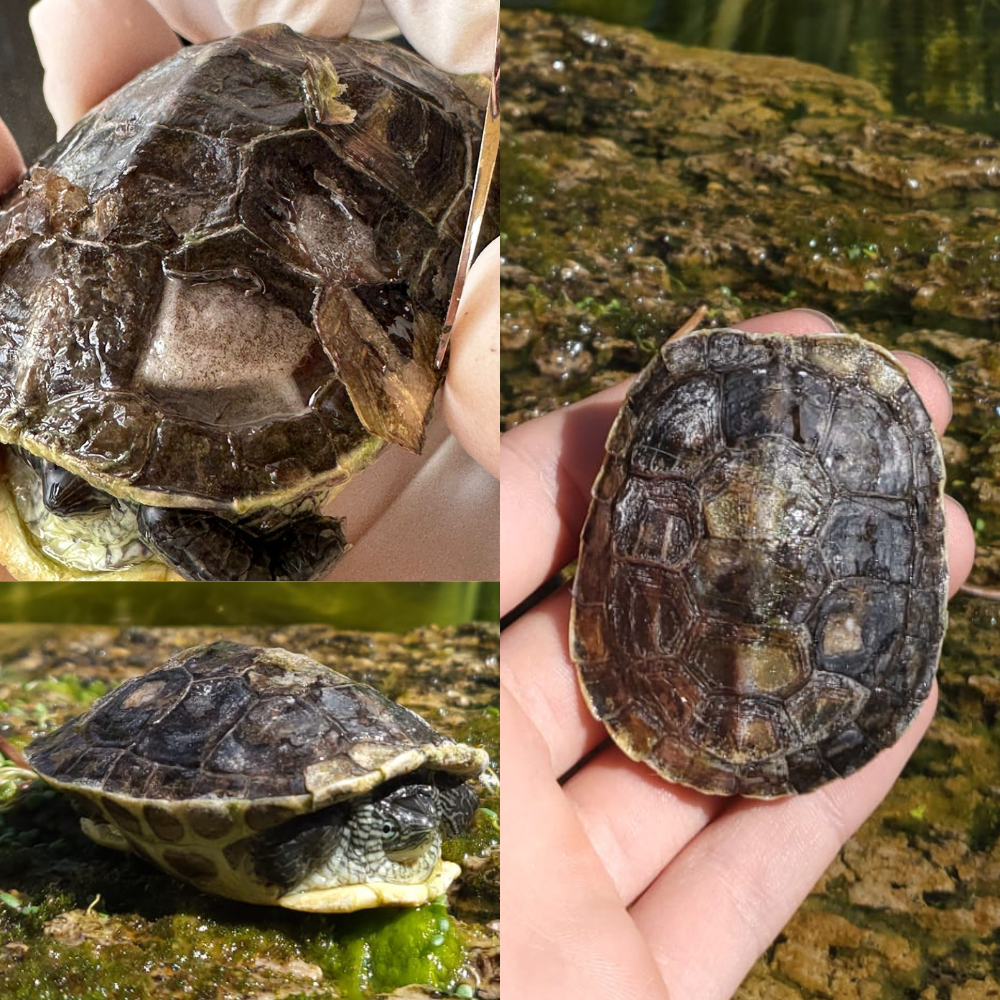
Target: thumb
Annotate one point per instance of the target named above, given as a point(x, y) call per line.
point(471, 400)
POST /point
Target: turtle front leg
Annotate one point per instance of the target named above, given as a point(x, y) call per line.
point(205, 546)
point(105, 835)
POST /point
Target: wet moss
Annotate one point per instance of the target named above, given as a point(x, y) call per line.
point(662, 178)
point(984, 825)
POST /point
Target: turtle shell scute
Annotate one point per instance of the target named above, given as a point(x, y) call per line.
point(759, 602)
point(163, 268)
point(226, 721)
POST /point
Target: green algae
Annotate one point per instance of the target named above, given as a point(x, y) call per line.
point(180, 937)
point(33, 703)
point(383, 950)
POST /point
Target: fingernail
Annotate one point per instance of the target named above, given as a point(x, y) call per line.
point(832, 325)
point(920, 361)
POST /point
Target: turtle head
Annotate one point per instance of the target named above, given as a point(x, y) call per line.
point(382, 848)
point(408, 819)
point(413, 814)
point(56, 524)
point(459, 803)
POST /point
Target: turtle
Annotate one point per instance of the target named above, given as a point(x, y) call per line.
point(221, 294)
point(261, 775)
point(760, 598)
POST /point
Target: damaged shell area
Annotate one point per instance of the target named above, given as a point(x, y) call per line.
point(223, 289)
point(760, 600)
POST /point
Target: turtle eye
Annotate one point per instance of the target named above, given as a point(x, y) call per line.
point(407, 819)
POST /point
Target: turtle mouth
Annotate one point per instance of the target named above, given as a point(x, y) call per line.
point(87, 530)
point(72, 522)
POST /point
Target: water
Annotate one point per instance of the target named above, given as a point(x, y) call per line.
point(936, 60)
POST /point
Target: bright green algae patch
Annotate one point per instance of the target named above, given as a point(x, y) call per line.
point(91, 953)
point(78, 921)
point(383, 950)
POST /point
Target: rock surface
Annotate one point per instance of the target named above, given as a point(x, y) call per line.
point(643, 179)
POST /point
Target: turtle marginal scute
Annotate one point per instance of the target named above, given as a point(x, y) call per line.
point(391, 394)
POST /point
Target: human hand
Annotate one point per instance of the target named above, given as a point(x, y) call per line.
point(617, 883)
point(408, 517)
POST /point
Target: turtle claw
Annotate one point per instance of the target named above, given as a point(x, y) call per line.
point(205, 546)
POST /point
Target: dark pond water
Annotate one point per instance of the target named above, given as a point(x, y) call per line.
point(939, 59)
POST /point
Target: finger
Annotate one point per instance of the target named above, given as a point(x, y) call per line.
point(90, 48)
point(795, 322)
point(931, 388)
point(726, 896)
point(198, 21)
point(547, 467)
point(11, 164)
point(568, 933)
point(539, 673)
point(421, 517)
point(471, 398)
point(620, 833)
point(961, 544)
point(457, 38)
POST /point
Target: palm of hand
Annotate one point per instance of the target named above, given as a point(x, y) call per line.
point(622, 884)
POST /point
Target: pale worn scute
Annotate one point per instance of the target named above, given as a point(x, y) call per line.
point(224, 287)
point(761, 593)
